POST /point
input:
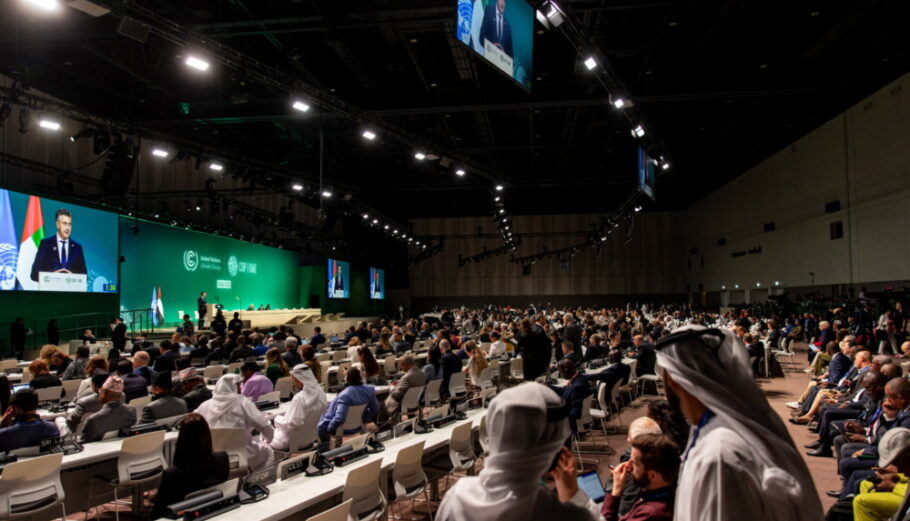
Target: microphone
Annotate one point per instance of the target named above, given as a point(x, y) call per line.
point(338, 452)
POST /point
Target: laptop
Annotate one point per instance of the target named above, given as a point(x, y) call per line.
point(592, 485)
point(19, 387)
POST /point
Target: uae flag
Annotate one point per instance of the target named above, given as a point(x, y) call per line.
point(32, 234)
point(157, 307)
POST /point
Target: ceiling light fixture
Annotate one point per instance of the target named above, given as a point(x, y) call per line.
point(49, 124)
point(217, 167)
point(299, 105)
point(459, 172)
point(368, 134)
point(197, 63)
point(420, 156)
point(326, 193)
point(160, 152)
point(590, 63)
point(619, 103)
point(297, 187)
point(638, 132)
point(47, 5)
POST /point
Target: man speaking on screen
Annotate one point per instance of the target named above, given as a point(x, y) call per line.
point(60, 254)
point(495, 28)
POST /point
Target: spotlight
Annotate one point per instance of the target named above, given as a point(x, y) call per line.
point(638, 132)
point(420, 156)
point(197, 63)
point(366, 216)
point(590, 63)
point(370, 135)
point(301, 106)
point(638, 208)
point(49, 124)
point(505, 220)
point(375, 221)
point(160, 152)
point(327, 193)
point(497, 198)
point(386, 227)
point(459, 172)
point(499, 188)
point(502, 211)
point(297, 187)
point(218, 167)
point(758, 284)
point(736, 286)
point(89, 132)
point(619, 103)
point(47, 5)
point(777, 283)
point(723, 287)
point(665, 166)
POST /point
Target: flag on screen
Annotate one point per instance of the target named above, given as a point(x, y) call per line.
point(9, 246)
point(159, 307)
point(32, 234)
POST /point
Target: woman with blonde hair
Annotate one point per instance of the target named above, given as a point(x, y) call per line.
point(477, 361)
point(95, 366)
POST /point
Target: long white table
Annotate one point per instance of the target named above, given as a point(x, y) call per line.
point(297, 494)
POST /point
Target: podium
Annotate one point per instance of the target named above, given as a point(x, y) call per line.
point(501, 60)
point(52, 281)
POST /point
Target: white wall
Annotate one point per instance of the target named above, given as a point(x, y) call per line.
point(860, 158)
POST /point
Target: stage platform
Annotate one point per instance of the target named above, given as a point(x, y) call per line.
point(303, 324)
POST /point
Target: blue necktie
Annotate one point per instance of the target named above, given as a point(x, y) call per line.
point(63, 253)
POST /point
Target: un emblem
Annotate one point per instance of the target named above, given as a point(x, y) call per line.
point(232, 265)
point(190, 260)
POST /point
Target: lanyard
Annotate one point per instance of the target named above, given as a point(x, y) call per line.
point(701, 423)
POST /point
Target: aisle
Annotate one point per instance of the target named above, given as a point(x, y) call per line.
point(782, 390)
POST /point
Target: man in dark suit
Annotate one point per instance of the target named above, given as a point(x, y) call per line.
point(495, 27)
point(575, 391)
point(165, 404)
point(235, 325)
point(168, 359)
point(118, 335)
point(571, 331)
point(201, 307)
point(535, 350)
point(60, 253)
point(645, 354)
point(615, 372)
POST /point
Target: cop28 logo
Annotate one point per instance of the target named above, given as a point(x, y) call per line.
point(190, 260)
point(232, 265)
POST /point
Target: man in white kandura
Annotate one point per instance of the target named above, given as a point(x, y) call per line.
point(740, 463)
point(306, 407)
point(228, 409)
point(527, 427)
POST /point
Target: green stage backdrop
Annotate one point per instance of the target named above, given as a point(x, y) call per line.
point(182, 263)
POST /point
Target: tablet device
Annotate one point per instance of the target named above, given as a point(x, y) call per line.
point(592, 485)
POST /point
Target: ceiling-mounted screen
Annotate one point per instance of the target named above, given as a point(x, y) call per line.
point(647, 180)
point(339, 279)
point(377, 284)
point(502, 32)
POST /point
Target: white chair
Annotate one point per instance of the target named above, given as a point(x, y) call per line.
point(285, 387)
point(517, 369)
point(461, 456)
point(70, 387)
point(138, 404)
point(362, 486)
point(341, 512)
point(633, 380)
point(232, 441)
point(339, 355)
point(324, 373)
point(409, 478)
point(303, 437)
point(485, 380)
point(49, 394)
point(410, 402)
point(26, 376)
point(324, 357)
point(9, 365)
point(604, 412)
point(212, 373)
point(141, 461)
point(614, 400)
point(457, 385)
point(354, 420)
point(645, 378)
point(483, 437)
point(28, 487)
point(431, 395)
point(390, 366)
point(235, 366)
